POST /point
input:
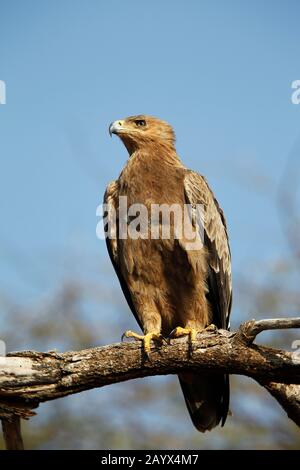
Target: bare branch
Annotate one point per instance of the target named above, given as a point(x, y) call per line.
point(289, 398)
point(28, 378)
point(12, 433)
point(252, 328)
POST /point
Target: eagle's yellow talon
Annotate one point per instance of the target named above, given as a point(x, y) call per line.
point(146, 339)
point(211, 327)
point(131, 334)
point(179, 332)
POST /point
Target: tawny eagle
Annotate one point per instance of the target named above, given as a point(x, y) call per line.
point(170, 289)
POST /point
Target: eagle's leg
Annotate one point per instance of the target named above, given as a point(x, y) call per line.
point(146, 339)
point(179, 332)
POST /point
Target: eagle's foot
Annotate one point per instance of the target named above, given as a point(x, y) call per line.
point(146, 339)
point(179, 332)
point(211, 327)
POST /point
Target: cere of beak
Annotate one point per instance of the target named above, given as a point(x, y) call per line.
point(115, 127)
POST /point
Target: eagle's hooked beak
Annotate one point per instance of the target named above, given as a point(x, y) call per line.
point(115, 127)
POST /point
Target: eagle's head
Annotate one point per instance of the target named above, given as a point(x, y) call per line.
point(141, 131)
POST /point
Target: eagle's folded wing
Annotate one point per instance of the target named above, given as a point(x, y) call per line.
point(215, 240)
point(111, 207)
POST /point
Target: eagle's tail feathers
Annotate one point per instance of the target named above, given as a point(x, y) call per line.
point(207, 399)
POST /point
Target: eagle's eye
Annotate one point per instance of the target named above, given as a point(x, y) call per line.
point(140, 122)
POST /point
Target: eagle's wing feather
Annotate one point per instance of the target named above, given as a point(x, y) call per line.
point(111, 214)
point(207, 398)
point(215, 240)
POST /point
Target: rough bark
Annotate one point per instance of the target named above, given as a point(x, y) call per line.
point(28, 378)
point(12, 433)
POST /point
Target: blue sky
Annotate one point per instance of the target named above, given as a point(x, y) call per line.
point(219, 72)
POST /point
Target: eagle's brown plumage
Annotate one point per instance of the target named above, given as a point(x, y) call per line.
point(166, 285)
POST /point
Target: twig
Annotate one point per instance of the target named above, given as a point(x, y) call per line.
point(252, 328)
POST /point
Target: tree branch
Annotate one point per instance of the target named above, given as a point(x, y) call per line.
point(252, 328)
point(28, 378)
point(12, 433)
